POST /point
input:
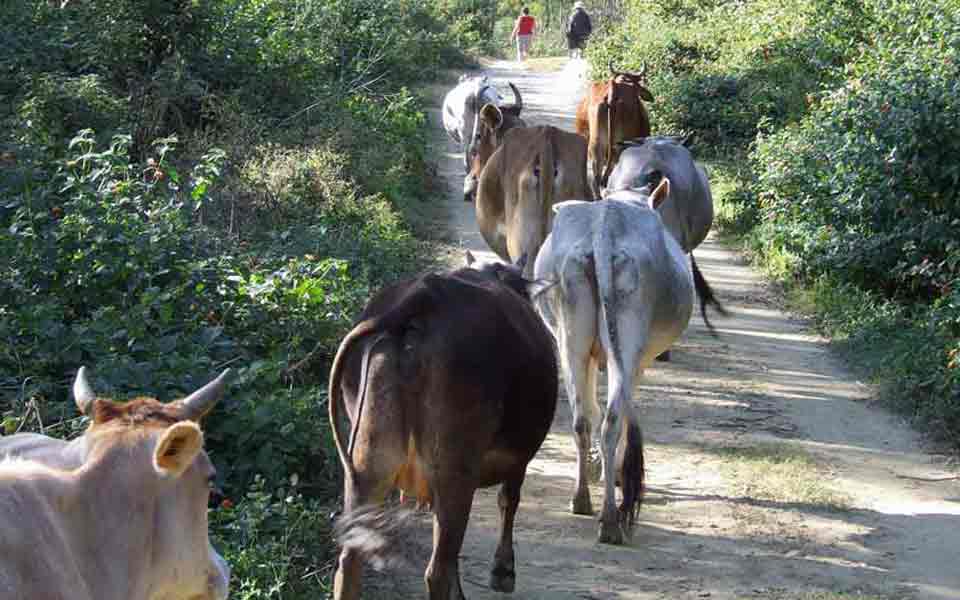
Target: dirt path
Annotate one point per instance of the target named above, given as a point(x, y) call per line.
point(769, 476)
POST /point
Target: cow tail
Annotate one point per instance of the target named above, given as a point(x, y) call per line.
point(706, 295)
point(335, 395)
point(547, 184)
point(608, 163)
point(632, 473)
point(384, 537)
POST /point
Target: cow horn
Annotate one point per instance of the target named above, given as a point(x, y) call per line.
point(201, 401)
point(517, 99)
point(613, 71)
point(82, 391)
point(632, 142)
point(643, 71)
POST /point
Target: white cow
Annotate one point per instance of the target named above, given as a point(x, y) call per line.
point(461, 110)
point(134, 487)
point(624, 293)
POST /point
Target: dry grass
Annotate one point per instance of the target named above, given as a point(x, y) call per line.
point(779, 473)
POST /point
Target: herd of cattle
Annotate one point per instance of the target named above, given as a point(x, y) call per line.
point(448, 382)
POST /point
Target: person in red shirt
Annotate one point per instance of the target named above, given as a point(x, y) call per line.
point(523, 30)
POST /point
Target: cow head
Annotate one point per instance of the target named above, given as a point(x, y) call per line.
point(492, 124)
point(159, 478)
point(510, 275)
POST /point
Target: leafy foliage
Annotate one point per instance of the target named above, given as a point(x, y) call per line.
point(832, 127)
point(186, 186)
point(275, 543)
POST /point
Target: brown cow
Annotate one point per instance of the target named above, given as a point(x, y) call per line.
point(120, 516)
point(516, 194)
point(611, 112)
point(448, 383)
point(492, 125)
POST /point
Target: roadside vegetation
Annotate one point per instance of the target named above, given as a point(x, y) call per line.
point(190, 186)
point(779, 473)
point(831, 132)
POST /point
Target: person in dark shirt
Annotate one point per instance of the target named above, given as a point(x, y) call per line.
point(579, 29)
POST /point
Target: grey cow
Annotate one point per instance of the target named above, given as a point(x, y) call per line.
point(624, 294)
point(461, 110)
point(643, 163)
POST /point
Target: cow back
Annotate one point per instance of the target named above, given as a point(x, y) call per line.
point(689, 212)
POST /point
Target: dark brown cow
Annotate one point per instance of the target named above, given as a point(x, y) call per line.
point(611, 112)
point(448, 383)
point(532, 170)
point(493, 123)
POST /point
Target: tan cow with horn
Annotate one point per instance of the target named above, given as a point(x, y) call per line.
point(121, 515)
point(534, 168)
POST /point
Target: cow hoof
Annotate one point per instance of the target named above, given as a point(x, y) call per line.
point(581, 505)
point(664, 356)
point(611, 534)
point(503, 580)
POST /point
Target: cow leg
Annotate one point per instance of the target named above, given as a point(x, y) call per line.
point(610, 529)
point(451, 512)
point(597, 167)
point(347, 580)
point(503, 577)
point(577, 331)
point(374, 471)
point(583, 432)
point(619, 419)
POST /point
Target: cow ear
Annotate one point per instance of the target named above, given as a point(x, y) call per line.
point(470, 258)
point(177, 448)
point(644, 93)
point(538, 286)
point(492, 115)
point(660, 194)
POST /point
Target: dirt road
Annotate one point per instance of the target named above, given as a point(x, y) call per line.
point(770, 477)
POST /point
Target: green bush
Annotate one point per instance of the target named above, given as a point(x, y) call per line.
point(250, 239)
point(720, 70)
point(848, 114)
point(274, 540)
point(866, 184)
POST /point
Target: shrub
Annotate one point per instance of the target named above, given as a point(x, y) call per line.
point(866, 185)
point(722, 69)
point(274, 540)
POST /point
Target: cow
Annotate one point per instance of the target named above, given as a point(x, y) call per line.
point(533, 168)
point(461, 110)
point(121, 515)
point(610, 112)
point(447, 383)
point(52, 452)
point(492, 127)
point(624, 294)
point(645, 162)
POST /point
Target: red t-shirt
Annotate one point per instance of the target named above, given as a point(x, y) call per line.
point(525, 26)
